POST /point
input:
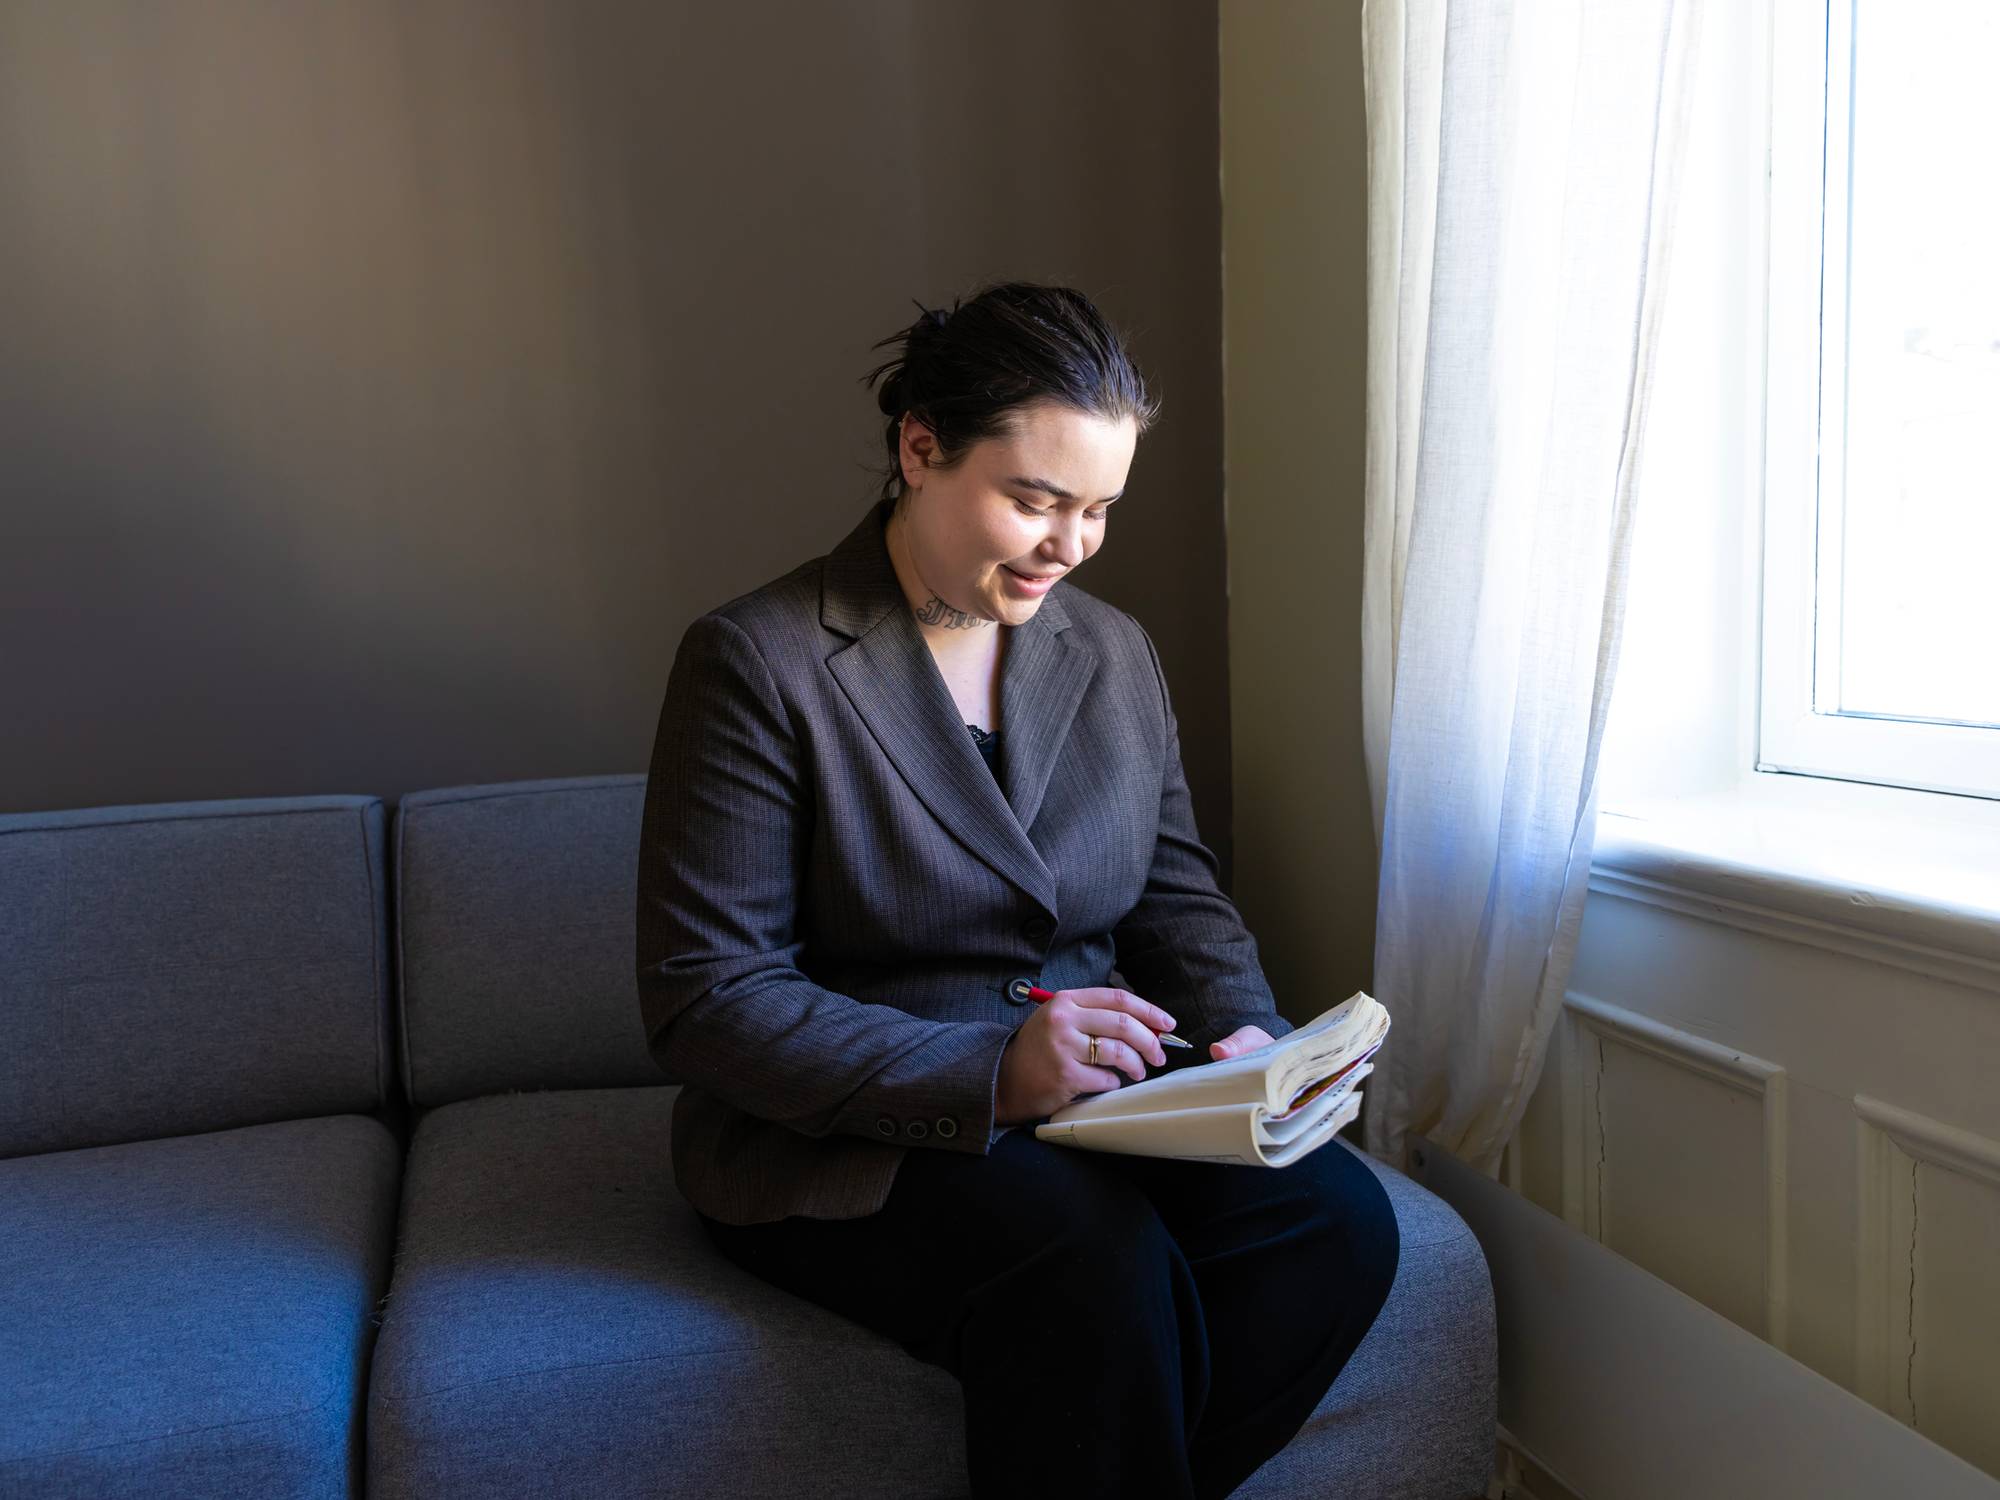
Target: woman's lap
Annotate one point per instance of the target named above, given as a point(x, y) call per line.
point(952, 1221)
point(1255, 1238)
point(1240, 1291)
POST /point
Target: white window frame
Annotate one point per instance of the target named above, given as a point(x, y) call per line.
point(1682, 807)
point(1799, 731)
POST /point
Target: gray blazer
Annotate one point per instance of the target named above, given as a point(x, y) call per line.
point(840, 907)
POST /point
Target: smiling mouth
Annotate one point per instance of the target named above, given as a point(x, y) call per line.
point(1031, 577)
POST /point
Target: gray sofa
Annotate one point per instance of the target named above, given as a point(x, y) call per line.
point(335, 1163)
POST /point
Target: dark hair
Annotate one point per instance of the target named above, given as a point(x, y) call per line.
point(965, 373)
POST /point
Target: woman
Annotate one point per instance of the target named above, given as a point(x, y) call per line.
point(890, 791)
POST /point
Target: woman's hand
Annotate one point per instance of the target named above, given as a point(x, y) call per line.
point(1046, 1063)
point(1242, 1039)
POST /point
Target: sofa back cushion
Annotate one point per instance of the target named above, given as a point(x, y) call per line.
point(516, 922)
point(189, 966)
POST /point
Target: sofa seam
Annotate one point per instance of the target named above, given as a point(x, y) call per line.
point(377, 940)
point(221, 811)
point(608, 1364)
point(161, 1437)
point(401, 997)
point(1450, 1239)
point(64, 1126)
point(600, 784)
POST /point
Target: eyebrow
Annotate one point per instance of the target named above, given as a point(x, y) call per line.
point(1052, 488)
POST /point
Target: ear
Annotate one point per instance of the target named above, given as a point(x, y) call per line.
point(917, 444)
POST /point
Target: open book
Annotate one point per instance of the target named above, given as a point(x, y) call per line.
point(1265, 1108)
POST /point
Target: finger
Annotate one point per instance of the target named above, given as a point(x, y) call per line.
point(1108, 997)
point(1112, 1054)
point(1135, 1033)
point(1102, 1080)
point(1243, 1039)
point(1081, 1078)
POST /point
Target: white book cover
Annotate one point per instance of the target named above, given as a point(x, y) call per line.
point(1265, 1108)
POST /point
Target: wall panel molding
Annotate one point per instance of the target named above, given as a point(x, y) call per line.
point(1588, 1026)
point(1892, 1144)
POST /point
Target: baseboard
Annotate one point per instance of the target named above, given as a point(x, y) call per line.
point(1518, 1475)
point(1618, 1386)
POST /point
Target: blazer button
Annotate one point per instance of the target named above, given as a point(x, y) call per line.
point(1037, 929)
point(947, 1126)
point(1016, 991)
point(917, 1130)
point(885, 1126)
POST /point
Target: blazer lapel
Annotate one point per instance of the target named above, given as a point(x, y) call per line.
point(1043, 678)
point(890, 676)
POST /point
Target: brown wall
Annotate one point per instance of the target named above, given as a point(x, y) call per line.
point(1295, 253)
point(385, 385)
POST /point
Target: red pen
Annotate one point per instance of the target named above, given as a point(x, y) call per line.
point(1167, 1039)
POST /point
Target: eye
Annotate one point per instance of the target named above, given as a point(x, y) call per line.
point(1092, 515)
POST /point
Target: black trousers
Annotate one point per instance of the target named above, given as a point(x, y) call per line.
point(1163, 1326)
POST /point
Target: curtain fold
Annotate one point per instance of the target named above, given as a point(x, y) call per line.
point(1523, 170)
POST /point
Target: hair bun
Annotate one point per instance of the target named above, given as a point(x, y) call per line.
point(930, 320)
point(1024, 343)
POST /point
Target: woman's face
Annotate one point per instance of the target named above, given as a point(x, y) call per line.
point(1033, 504)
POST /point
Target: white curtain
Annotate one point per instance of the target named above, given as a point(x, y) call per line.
point(1522, 168)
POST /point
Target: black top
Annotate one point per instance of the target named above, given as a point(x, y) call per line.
point(989, 746)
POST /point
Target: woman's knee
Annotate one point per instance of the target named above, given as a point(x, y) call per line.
point(1357, 1208)
point(1107, 1233)
point(1347, 1216)
point(1053, 1212)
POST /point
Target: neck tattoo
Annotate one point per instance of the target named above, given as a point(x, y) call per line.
point(936, 612)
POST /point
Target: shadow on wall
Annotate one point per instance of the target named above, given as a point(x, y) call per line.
point(385, 387)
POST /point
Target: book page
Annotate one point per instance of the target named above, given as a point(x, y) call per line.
point(1314, 1134)
point(1278, 1130)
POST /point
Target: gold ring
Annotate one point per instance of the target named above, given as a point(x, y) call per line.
point(1093, 1053)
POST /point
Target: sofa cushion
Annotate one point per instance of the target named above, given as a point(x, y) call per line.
point(561, 1322)
point(193, 1316)
point(516, 919)
point(190, 966)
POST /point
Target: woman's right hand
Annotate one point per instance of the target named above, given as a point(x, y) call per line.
point(1045, 1064)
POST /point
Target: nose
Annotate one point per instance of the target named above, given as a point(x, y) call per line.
point(1066, 540)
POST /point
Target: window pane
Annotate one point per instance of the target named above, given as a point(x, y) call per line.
point(1920, 600)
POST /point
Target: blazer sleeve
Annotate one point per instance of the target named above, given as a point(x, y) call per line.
point(1183, 944)
point(724, 840)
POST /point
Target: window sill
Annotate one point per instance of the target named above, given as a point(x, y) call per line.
point(1907, 878)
